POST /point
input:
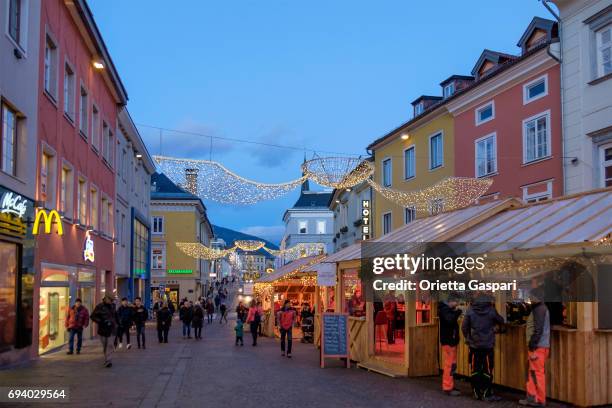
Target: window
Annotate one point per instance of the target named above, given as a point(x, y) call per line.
point(536, 138)
point(95, 128)
point(436, 151)
point(69, 91)
point(109, 219)
point(109, 148)
point(50, 67)
point(535, 89)
point(47, 179)
point(103, 215)
point(16, 22)
point(158, 257)
point(418, 109)
point(66, 191)
point(409, 214)
point(606, 165)
point(82, 201)
point(83, 112)
point(485, 113)
point(436, 206)
point(409, 163)
point(354, 299)
point(93, 203)
point(486, 155)
point(320, 227)
point(449, 90)
point(158, 225)
point(107, 144)
point(303, 227)
point(603, 39)
point(386, 223)
point(386, 173)
point(8, 148)
point(536, 192)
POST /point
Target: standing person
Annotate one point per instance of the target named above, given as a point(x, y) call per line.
point(239, 329)
point(305, 315)
point(105, 315)
point(217, 301)
point(125, 315)
point(538, 343)
point(449, 338)
point(223, 311)
point(186, 316)
point(241, 312)
point(286, 319)
point(253, 319)
point(164, 321)
point(197, 321)
point(210, 311)
point(140, 317)
point(261, 313)
point(77, 319)
point(479, 332)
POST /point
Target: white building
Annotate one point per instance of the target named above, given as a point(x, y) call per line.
point(586, 78)
point(347, 207)
point(132, 252)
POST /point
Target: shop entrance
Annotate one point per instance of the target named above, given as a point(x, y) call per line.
point(54, 302)
point(8, 295)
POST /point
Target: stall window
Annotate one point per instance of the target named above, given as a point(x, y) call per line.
point(354, 301)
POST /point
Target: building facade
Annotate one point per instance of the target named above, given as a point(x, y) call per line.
point(508, 122)
point(586, 81)
point(309, 221)
point(177, 216)
point(132, 218)
point(80, 95)
point(348, 207)
point(19, 51)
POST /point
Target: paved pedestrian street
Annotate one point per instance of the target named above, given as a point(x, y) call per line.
point(215, 373)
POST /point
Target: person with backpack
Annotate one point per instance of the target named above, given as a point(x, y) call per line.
point(164, 321)
point(77, 319)
point(449, 338)
point(253, 319)
point(125, 315)
point(105, 315)
point(186, 316)
point(286, 319)
point(140, 317)
point(197, 321)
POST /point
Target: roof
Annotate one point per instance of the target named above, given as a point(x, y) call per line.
point(495, 57)
point(133, 135)
point(313, 199)
point(538, 23)
point(454, 77)
point(299, 265)
point(428, 97)
point(230, 235)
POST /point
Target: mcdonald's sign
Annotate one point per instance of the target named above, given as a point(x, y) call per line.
point(48, 219)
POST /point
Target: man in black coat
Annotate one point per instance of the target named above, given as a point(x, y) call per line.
point(164, 320)
point(140, 317)
point(449, 338)
point(105, 316)
point(125, 314)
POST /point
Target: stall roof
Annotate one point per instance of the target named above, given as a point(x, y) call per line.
point(580, 218)
point(291, 267)
point(438, 228)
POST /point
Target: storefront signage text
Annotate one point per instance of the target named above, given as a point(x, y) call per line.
point(15, 204)
point(365, 219)
point(88, 252)
point(180, 271)
point(49, 219)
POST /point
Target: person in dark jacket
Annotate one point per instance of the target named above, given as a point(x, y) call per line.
point(198, 320)
point(77, 319)
point(186, 316)
point(479, 332)
point(105, 315)
point(140, 317)
point(210, 311)
point(223, 313)
point(241, 312)
point(449, 338)
point(538, 344)
point(125, 315)
point(164, 321)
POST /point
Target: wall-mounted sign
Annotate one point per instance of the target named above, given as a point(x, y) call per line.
point(180, 271)
point(48, 218)
point(365, 219)
point(12, 203)
point(88, 251)
point(15, 213)
point(326, 274)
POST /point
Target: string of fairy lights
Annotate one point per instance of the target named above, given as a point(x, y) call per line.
point(200, 251)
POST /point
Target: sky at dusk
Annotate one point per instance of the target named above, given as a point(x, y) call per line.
point(318, 75)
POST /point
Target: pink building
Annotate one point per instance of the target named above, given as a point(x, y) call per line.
point(508, 121)
point(79, 100)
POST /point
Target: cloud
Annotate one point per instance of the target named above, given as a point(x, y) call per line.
point(272, 233)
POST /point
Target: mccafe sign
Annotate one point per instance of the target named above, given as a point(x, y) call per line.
point(16, 212)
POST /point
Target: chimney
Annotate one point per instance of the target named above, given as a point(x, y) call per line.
point(191, 181)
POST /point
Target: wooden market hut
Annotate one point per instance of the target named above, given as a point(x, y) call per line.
point(573, 227)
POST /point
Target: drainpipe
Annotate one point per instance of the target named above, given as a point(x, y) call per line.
point(564, 156)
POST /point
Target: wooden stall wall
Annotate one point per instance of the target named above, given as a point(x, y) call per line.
point(423, 350)
point(358, 339)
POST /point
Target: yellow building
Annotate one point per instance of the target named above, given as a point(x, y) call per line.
point(177, 216)
point(414, 156)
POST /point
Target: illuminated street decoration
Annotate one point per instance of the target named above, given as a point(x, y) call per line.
point(200, 251)
point(338, 172)
point(452, 192)
point(298, 250)
point(50, 218)
point(88, 252)
point(249, 245)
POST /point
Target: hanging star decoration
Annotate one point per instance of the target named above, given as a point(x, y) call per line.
point(451, 193)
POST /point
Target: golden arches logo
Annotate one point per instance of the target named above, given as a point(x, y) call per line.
point(48, 219)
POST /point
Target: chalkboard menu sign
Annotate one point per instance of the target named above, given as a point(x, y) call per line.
point(334, 336)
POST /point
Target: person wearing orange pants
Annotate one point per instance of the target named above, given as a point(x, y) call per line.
point(449, 338)
point(538, 338)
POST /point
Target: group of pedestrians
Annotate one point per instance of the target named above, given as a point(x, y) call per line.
point(479, 326)
point(192, 316)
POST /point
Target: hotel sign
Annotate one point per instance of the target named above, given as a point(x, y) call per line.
point(365, 219)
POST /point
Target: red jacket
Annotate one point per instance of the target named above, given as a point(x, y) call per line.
point(77, 318)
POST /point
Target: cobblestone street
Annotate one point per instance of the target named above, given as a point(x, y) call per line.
point(213, 372)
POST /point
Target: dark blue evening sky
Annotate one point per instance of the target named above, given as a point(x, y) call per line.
point(322, 74)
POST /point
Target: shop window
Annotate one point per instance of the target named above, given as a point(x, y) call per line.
point(8, 295)
point(354, 300)
point(8, 134)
